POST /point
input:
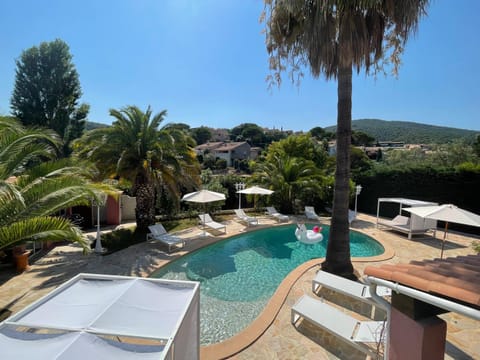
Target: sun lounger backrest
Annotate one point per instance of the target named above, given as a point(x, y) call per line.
point(401, 220)
point(271, 210)
point(240, 213)
point(205, 218)
point(157, 229)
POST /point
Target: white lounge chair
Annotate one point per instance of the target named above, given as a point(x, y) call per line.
point(250, 220)
point(347, 287)
point(208, 221)
point(271, 211)
point(351, 216)
point(311, 214)
point(158, 233)
point(357, 333)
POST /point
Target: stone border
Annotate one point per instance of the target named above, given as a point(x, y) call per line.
point(249, 335)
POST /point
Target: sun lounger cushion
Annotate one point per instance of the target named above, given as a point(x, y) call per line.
point(274, 213)
point(310, 213)
point(158, 233)
point(347, 287)
point(325, 316)
point(250, 220)
point(207, 220)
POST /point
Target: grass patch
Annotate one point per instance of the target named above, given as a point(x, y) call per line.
point(123, 238)
point(476, 246)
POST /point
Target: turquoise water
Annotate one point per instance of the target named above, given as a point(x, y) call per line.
point(239, 275)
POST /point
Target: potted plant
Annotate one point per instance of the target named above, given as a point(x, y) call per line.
point(20, 255)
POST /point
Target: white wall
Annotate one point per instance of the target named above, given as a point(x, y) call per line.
point(127, 205)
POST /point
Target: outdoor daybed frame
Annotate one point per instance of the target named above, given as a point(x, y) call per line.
point(413, 225)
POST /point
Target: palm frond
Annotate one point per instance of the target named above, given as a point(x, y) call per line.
point(41, 229)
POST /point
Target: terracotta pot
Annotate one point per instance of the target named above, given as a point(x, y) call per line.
point(21, 260)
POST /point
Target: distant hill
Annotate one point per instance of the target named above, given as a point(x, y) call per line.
point(409, 132)
point(90, 125)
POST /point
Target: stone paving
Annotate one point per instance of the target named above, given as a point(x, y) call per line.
point(281, 340)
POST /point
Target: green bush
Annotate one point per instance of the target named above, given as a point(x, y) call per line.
point(476, 246)
point(441, 185)
point(120, 239)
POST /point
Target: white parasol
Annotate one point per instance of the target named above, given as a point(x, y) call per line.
point(447, 213)
point(203, 197)
point(255, 190)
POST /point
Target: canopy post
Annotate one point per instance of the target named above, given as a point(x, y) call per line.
point(444, 237)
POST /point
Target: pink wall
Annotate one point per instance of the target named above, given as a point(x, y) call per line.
point(113, 211)
point(416, 339)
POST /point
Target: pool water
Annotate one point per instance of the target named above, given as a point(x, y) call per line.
point(239, 275)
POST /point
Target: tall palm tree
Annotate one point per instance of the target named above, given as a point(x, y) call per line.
point(331, 38)
point(135, 148)
point(288, 177)
point(33, 187)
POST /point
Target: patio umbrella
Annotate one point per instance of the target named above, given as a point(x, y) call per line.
point(203, 197)
point(447, 213)
point(255, 190)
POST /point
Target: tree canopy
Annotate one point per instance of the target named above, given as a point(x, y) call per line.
point(34, 187)
point(331, 38)
point(47, 91)
point(136, 148)
point(301, 146)
point(201, 134)
point(252, 133)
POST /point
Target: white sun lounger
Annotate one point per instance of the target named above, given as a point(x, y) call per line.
point(158, 233)
point(250, 220)
point(208, 221)
point(351, 216)
point(311, 214)
point(347, 287)
point(271, 211)
point(357, 333)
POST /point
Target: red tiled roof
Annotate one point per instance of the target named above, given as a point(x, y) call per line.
point(229, 146)
point(456, 278)
point(208, 145)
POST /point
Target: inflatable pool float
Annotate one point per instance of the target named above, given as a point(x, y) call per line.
point(308, 236)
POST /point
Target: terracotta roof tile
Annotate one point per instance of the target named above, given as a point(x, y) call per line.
point(454, 278)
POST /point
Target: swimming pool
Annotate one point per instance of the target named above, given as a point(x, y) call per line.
point(239, 275)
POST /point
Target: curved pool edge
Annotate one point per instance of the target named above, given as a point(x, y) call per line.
point(249, 335)
point(387, 254)
point(257, 328)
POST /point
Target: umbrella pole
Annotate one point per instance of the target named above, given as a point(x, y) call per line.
point(203, 220)
point(444, 237)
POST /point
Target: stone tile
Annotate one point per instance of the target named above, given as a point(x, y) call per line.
point(281, 340)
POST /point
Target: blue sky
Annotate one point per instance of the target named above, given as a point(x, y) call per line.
point(205, 62)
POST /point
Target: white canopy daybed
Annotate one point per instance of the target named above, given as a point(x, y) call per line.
point(409, 225)
point(107, 317)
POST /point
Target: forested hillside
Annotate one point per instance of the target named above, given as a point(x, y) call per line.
point(90, 125)
point(410, 132)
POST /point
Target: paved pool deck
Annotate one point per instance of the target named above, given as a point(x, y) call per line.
point(271, 336)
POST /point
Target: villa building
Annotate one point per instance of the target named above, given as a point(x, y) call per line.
point(229, 151)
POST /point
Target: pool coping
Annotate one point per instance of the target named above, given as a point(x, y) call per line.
point(251, 333)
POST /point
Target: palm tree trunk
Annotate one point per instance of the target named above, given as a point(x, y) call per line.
point(338, 252)
point(145, 208)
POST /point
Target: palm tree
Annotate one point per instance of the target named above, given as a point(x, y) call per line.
point(134, 148)
point(288, 177)
point(33, 187)
point(331, 38)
